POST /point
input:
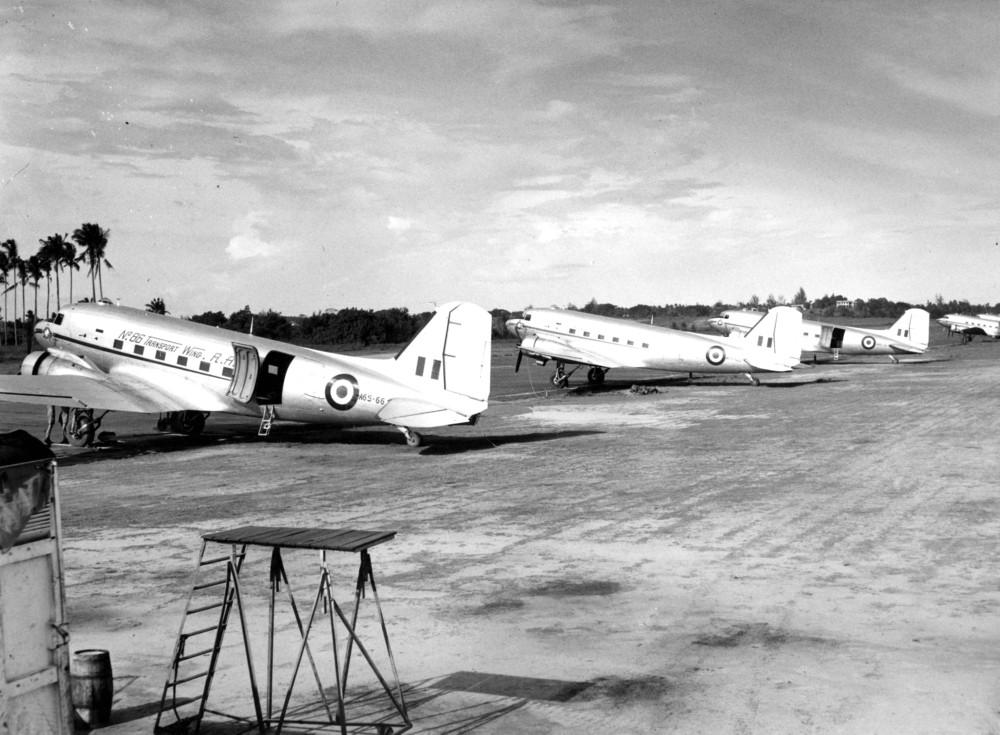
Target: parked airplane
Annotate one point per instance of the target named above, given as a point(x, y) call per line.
point(987, 325)
point(601, 343)
point(100, 356)
point(910, 334)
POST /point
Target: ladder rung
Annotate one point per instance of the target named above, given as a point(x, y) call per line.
point(199, 631)
point(206, 585)
point(213, 606)
point(195, 655)
point(177, 682)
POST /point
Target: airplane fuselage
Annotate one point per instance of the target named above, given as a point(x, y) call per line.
point(301, 383)
point(155, 363)
point(605, 342)
point(986, 325)
point(831, 338)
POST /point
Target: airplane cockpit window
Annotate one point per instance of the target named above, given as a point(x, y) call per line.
point(527, 317)
point(58, 319)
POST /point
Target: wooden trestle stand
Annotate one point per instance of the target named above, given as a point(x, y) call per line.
point(199, 642)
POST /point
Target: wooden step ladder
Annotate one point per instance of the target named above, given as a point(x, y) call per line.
point(199, 642)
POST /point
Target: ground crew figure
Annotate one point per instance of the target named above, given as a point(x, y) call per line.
point(51, 417)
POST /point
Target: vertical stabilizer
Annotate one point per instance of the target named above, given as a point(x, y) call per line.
point(452, 352)
point(913, 327)
point(775, 342)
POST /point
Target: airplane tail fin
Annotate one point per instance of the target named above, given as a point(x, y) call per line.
point(452, 354)
point(913, 327)
point(775, 342)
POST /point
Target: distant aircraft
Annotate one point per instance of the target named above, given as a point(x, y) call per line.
point(100, 356)
point(910, 334)
point(601, 343)
point(987, 325)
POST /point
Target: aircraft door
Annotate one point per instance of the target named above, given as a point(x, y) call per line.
point(832, 337)
point(271, 381)
point(246, 365)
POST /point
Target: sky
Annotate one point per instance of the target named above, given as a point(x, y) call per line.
point(311, 155)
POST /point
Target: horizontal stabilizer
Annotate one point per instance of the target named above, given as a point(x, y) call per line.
point(416, 414)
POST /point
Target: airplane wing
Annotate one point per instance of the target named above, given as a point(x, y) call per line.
point(107, 392)
point(556, 349)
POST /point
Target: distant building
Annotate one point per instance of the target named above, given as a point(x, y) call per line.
point(845, 304)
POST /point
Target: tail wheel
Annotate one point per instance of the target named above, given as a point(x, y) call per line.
point(413, 439)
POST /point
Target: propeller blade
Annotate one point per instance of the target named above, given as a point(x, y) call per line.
point(517, 365)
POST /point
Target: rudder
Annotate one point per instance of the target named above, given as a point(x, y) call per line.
point(452, 351)
point(780, 332)
point(914, 327)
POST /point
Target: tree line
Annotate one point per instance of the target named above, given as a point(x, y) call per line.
point(61, 254)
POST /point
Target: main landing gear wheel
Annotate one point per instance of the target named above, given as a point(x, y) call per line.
point(595, 376)
point(82, 427)
point(560, 378)
point(189, 423)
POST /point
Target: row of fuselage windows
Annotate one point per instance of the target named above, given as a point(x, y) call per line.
point(182, 361)
point(614, 340)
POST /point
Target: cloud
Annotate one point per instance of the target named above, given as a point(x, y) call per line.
point(399, 224)
point(249, 241)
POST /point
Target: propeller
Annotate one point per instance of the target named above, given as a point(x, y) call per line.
point(517, 364)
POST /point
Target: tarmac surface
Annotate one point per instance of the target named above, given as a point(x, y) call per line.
point(818, 554)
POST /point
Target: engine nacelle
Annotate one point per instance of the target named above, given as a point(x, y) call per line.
point(43, 363)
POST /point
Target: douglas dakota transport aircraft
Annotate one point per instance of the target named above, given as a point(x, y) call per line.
point(988, 325)
point(602, 343)
point(100, 356)
point(910, 334)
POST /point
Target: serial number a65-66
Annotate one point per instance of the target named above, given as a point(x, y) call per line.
point(372, 398)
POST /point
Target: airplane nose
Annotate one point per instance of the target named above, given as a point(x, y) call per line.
point(43, 331)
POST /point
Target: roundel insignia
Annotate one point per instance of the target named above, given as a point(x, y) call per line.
point(868, 342)
point(342, 391)
point(715, 355)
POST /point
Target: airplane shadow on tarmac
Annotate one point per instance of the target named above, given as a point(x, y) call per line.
point(133, 446)
point(659, 385)
point(458, 444)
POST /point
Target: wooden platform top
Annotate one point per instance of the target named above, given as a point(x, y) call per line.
point(331, 539)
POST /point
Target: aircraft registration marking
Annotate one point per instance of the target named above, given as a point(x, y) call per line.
point(165, 345)
point(372, 398)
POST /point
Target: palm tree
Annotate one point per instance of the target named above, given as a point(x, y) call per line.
point(93, 239)
point(34, 272)
point(54, 248)
point(44, 257)
point(157, 306)
point(67, 260)
point(22, 278)
point(10, 269)
point(3, 282)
